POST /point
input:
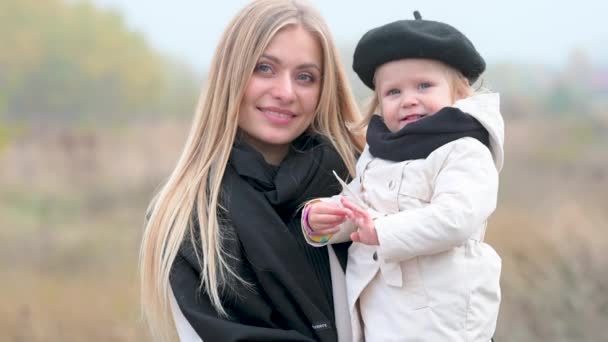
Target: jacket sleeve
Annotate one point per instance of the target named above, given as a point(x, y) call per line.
point(204, 320)
point(465, 194)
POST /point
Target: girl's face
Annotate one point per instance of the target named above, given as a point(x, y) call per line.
point(281, 97)
point(411, 89)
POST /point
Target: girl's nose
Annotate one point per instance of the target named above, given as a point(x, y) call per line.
point(408, 99)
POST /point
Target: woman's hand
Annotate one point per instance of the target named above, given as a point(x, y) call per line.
point(366, 232)
point(325, 218)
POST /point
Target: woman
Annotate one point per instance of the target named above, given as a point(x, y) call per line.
point(223, 242)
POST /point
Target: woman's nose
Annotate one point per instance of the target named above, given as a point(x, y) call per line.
point(283, 88)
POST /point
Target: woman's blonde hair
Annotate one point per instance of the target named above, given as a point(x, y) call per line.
point(459, 85)
point(195, 184)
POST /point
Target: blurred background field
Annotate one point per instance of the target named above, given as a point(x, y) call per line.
point(92, 118)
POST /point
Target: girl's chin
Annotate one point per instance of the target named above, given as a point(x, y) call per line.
point(403, 124)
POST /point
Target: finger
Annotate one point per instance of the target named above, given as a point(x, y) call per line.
point(363, 224)
point(323, 226)
point(330, 217)
point(327, 209)
point(349, 213)
point(320, 229)
point(359, 221)
point(319, 221)
point(361, 217)
point(356, 217)
point(355, 237)
point(360, 211)
point(353, 207)
point(328, 231)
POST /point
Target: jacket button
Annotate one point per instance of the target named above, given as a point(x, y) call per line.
point(375, 256)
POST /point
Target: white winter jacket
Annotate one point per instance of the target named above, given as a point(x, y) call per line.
point(432, 278)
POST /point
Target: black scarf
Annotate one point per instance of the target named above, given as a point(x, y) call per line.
point(301, 176)
point(262, 203)
point(418, 139)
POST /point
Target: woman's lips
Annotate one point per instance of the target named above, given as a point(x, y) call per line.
point(278, 115)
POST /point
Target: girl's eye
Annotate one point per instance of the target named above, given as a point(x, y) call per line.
point(263, 68)
point(393, 92)
point(424, 85)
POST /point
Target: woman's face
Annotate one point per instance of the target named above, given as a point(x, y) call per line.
point(281, 97)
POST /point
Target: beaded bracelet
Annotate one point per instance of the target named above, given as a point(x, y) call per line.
point(305, 224)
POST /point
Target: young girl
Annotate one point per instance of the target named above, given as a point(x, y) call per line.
point(425, 185)
point(223, 257)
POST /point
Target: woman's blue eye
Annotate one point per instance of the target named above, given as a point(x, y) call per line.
point(306, 78)
point(263, 68)
point(393, 92)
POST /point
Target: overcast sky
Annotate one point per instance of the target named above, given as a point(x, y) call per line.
point(522, 31)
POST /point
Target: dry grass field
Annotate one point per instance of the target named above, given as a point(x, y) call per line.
point(72, 204)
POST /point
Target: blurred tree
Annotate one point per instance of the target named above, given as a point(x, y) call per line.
point(69, 60)
point(572, 92)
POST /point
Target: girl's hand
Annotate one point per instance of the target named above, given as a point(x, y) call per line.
point(325, 218)
point(366, 232)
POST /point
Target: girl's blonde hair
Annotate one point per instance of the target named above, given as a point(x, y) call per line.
point(458, 83)
point(194, 186)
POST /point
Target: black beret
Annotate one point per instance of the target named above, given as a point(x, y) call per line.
point(416, 39)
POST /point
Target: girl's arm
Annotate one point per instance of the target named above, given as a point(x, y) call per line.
point(465, 194)
point(321, 234)
point(342, 232)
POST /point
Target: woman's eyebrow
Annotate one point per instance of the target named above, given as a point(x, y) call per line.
point(301, 66)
